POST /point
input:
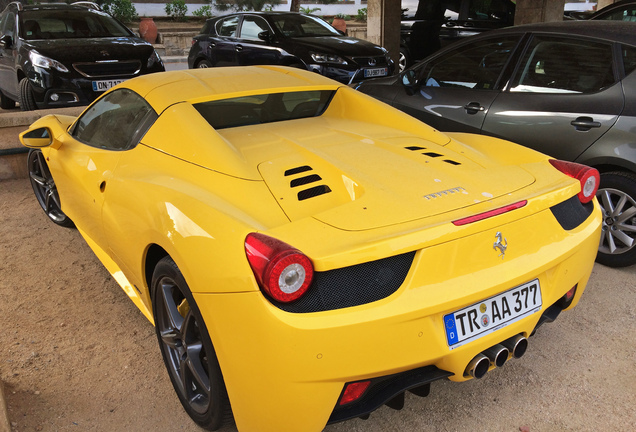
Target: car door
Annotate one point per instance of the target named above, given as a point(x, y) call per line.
point(456, 88)
point(8, 75)
point(563, 96)
point(250, 49)
point(222, 45)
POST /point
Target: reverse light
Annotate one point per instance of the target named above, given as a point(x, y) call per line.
point(283, 272)
point(588, 177)
point(353, 392)
point(44, 62)
point(327, 58)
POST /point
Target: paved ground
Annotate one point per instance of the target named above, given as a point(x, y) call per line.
point(78, 356)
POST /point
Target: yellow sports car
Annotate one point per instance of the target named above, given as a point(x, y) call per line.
point(307, 253)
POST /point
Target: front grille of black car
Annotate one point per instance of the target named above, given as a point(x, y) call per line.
point(352, 286)
point(377, 61)
point(108, 68)
point(572, 213)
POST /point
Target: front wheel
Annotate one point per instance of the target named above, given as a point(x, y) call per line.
point(404, 60)
point(26, 99)
point(617, 197)
point(45, 189)
point(204, 64)
point(187, 349)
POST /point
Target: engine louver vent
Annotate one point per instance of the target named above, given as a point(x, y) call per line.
point(432, 154)
point(308, 179)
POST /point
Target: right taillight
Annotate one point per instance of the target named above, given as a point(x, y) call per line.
point(283, 272)
point(587, 176)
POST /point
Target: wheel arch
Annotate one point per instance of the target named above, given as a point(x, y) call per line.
point(154, 254)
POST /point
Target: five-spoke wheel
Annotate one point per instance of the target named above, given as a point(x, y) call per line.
point(45, 190)
point(186, 348)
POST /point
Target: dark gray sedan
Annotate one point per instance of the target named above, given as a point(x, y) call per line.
point(566, 89)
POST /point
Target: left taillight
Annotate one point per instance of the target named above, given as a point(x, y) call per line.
point(282, 271)
point(587, 176)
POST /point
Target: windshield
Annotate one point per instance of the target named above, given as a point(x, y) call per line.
point(69, 24)
point(292, 25)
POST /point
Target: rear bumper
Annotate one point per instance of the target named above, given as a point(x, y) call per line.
point(286, 371)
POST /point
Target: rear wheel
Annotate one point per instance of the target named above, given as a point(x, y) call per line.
point(5, 102)
point(404, 60)
point(203, 64)
point(187, 349)
point(45, 189)
point(617, 197)
point(26, 99)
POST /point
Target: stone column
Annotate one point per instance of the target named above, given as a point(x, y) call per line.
point(383, 25)
point(532, 11)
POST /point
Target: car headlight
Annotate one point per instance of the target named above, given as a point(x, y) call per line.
point(328, 58)
point(44, 62)
point(153, 59)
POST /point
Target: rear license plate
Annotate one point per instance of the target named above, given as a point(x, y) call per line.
point(488, 315)
point(105, 84)
point(377, 72)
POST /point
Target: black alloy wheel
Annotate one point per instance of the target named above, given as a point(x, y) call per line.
point(617, 198)
point(26, 99)
point(187, 349)
point(45, 189)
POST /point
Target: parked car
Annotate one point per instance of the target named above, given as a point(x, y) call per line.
point(624, 10)
point(288, 39)
point(308, 253)
point(557, 88)
point(440, 22)
point(59, 55)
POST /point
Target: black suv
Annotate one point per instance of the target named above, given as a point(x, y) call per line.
point(288, 39)
point(57, 55)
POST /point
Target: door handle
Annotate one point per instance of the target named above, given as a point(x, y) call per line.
point(584, 124)
point(239, 48)
point(474, 107)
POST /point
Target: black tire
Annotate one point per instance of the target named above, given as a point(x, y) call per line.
point(26, 99)
point(617, 197)
point(203, 64)
point(5, 102)
point(45, 189)
point(186, 348)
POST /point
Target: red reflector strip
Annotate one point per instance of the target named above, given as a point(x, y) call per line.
point(491, 213)
point(353, 392)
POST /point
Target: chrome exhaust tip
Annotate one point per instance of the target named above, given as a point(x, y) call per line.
point(498, 355)
point(478, 366)
point(517, 345)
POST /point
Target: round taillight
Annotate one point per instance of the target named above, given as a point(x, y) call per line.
point(283, 272)
point(587, 176)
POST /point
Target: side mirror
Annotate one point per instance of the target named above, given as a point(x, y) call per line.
point(409, 81)
point(6, 41)
point(36, 138)
point(266, 36)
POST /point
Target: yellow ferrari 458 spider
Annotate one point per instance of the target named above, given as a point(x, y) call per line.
point(307, 253)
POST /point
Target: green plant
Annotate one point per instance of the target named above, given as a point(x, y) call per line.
point(362, 15)
point(308, 10)
point(343, 16)
point(203, 12)
point(123, 10)
point(246, 5)
point(177, 10)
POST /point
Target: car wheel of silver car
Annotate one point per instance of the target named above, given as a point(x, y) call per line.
point(187, 349)
point(617, 197)
point(45, 189)
point(204, 64)
point(5, 102)
point(26, 99)
point(403, 61)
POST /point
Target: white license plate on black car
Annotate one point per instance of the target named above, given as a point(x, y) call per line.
point(376, 72)
point(488, 315)
point(104, 85)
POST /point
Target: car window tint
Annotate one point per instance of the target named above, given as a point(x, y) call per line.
point(227, 26)
point(7, 26)
point(476, 66)
point(293, 25)
point(64, 24)
point(628, 13)
point(563, 65)
point(629, 59)
point(249, 110)
point(115, 122)
point(252, 26)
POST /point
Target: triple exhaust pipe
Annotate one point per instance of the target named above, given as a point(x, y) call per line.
point(497, 356)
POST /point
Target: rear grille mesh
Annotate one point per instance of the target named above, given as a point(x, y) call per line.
point(110, 69)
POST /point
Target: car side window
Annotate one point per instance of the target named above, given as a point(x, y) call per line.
point(475, 66)
point(252, 26)
point(629, 59)
point(227, 27)
point(117, 121)
point(564, 65)
point(7, 26)
point(495, 10)
point(626, 14)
